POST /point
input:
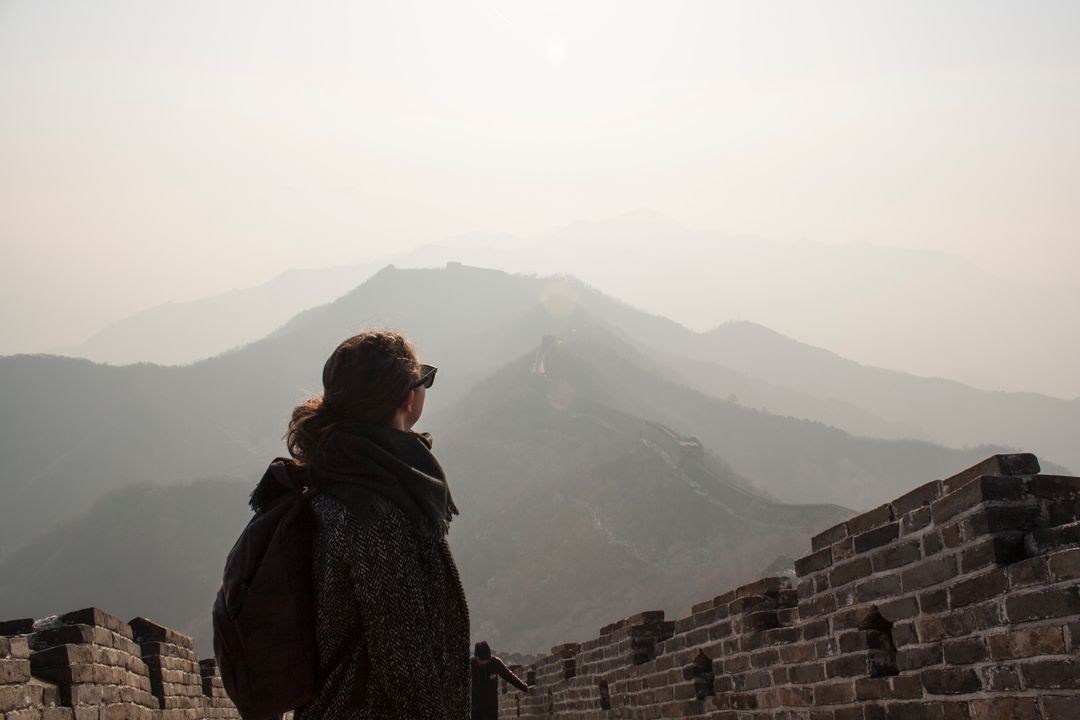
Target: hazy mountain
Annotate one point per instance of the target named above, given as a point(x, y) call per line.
point(574, 512)
point(535, 480)
point(582, 494)
point(71, 430)
point(156, 552)
point(921, 311)
point(576, 504)
point(944, 410)
point(744, 389)
point(178, 333)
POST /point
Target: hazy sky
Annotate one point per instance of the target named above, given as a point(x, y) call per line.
point(154, 151)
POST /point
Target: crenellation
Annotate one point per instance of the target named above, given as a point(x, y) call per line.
point(90, 665)
point(958, 599)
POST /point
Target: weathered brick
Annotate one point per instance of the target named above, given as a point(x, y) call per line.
point(906, 687)
point(14, 670)
point(950, 681)
point(15, 647)
point(62, 635)
point(808, 673)
point(1001, 678)
point(915, 521)
point(869, 520)
point(1027, 642)
point(951, 535)
point(796, 696)
point(978, 490)
point(965, 651)
point(815, 629)
point(872, 689)
point(913, 711)
point(842, 550)
point(899, 609)
point(1016, 464)
point(1062, 513)
point(851, 665)
point(915, 657)
point(849, 571)
point(934, 601)
point(837, 693)
point(763, 586)
point(1072, 637)
point(1056, 487)
point(856, 640)
point(994, 550)
point(897, 555)
point(851, 618)
point(1058, 708)
point(919, 497)
point(813, 562)
point(1049, 603)
point(1051, 674)
point(928, 572)
point(904, 634)
point(1025, 573)
point(752, 603)
point(145, 630)
point(976, 589)
point(1053, 538)
point(875, 538)
point(877, 588)
point(998, 520)
point(1005, 708)
point(932, 543)
point(1065, 565)
point(98, 618)
point(797, 653)
point(21, 626)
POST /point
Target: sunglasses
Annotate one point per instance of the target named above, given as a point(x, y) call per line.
point(427, 376)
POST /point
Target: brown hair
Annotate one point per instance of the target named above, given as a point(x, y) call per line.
point(364, 380)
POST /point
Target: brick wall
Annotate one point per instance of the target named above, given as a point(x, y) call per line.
point(958, 600)
point(89, 665)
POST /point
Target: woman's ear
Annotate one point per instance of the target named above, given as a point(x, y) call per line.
point(407, 403)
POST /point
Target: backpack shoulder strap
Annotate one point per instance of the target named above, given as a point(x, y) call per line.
point(282, 476)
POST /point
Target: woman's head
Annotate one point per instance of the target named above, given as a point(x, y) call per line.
point(369, 378)
point(482, 650)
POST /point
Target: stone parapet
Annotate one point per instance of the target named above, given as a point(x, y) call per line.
point(90, 665)
point(958, 600)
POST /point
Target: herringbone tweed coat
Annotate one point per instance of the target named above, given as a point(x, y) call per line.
point(397, 597)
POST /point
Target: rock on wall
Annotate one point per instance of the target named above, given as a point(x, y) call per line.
point(89, 665)
point(958, 600)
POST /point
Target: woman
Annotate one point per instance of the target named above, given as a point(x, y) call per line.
point(392, 623)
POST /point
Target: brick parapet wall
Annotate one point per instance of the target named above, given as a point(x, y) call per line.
point(958, 600)
point(22, 696)
point(89, 665)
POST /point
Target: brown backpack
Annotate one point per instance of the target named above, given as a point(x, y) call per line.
point(264, 614)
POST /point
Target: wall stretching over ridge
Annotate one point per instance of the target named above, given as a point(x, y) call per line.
point(959, 600)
